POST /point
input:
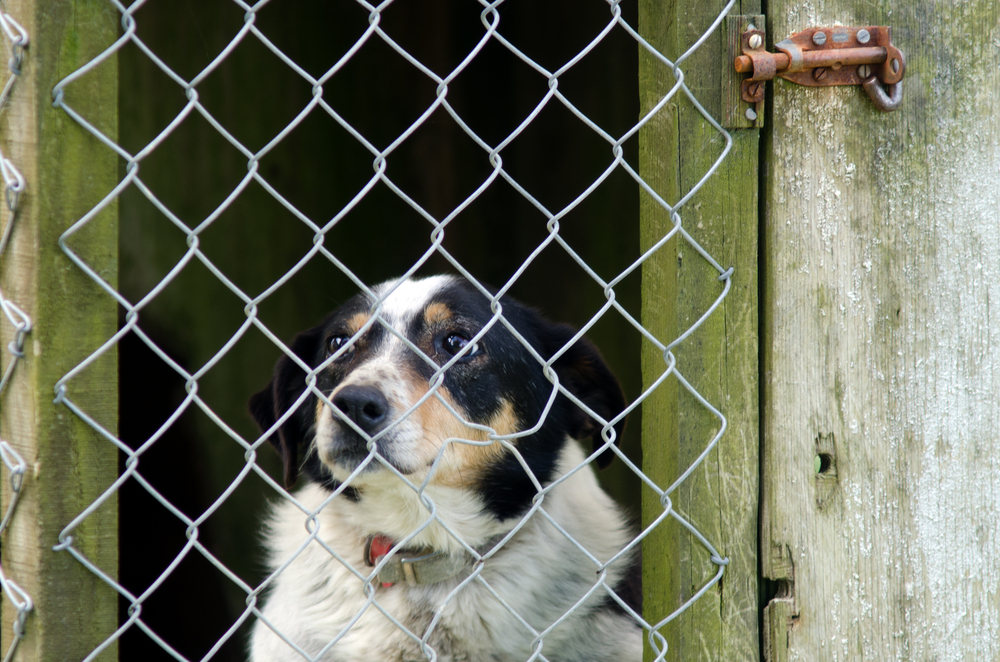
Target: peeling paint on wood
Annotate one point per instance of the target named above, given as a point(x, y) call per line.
point(883, 236)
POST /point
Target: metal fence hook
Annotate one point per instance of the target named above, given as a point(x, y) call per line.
point(886, 100)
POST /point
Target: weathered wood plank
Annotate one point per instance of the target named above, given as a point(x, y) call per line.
point(67, 173)
point(658, 164)
point(880, 396)
point(720, 359)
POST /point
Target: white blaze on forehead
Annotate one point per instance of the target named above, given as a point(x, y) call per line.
point(410, 297)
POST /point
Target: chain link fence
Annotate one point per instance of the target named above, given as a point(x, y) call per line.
point(491, 151)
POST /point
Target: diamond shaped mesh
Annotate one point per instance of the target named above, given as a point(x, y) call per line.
point(377, 136)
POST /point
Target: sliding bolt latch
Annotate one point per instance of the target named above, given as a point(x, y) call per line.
point(820, 57)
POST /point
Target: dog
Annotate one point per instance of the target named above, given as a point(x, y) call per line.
point(445, 482)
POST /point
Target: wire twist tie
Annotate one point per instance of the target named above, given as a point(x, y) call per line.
point(63, 545)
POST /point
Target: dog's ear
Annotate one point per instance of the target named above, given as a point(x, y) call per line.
point(583, 372)
point(281, 392)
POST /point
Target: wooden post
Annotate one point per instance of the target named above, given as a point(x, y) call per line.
point(677, 147)
point(69, 465)
point(880, 408)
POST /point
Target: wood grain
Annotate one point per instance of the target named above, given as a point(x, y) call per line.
point(69, 464)
point(677, 148)
point(880, 418)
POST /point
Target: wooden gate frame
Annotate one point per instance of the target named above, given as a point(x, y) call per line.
point(67, 172)
point(677, 147)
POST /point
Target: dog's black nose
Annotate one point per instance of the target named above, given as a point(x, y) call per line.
point(365, 405)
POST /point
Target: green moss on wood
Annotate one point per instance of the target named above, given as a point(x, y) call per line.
point(70, 465)
point(720, 359)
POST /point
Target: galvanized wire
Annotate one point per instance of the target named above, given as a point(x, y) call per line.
point(493, 153)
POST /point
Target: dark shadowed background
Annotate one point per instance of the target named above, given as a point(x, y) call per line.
point(318, 167)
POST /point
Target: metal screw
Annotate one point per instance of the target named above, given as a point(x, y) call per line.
point(819, 37)
point(895, 66)
point(755, 41)
point(864, 71)
point(819, 74)
point(751, 115)
point(864, 36)
point(754, 89)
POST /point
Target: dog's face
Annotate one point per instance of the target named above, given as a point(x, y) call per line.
point(380, 367)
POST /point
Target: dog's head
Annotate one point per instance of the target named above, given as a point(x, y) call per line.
point(377, 363)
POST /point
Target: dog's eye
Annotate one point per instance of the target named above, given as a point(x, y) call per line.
point(335, 343)
point(454, 342)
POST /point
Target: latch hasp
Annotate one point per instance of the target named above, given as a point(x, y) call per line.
point(824, 56)
point(734, 107)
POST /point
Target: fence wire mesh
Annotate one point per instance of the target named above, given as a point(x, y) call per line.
point(493, 152)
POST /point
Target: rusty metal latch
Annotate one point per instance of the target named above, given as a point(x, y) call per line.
point(818, 57)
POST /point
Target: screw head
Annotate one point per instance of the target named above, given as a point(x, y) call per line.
point(819, 74)
point(751, 115)
point(819, 37)
point(864, 71)
point(895, 66)
point(864, 36)
point(755, 41)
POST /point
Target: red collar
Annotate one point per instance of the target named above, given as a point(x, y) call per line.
point(376, 547)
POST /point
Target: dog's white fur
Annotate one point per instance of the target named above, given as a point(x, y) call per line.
point(319, 605)
point(539, 574)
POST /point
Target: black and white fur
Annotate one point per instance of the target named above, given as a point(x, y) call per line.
point(480, 491)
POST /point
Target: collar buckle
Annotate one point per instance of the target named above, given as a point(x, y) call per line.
point(417, 568)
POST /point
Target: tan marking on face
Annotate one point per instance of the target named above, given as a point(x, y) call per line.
point(417, 440)
point(356, 321)
point(462, 463)
point(437, 313)
point(471, 460)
